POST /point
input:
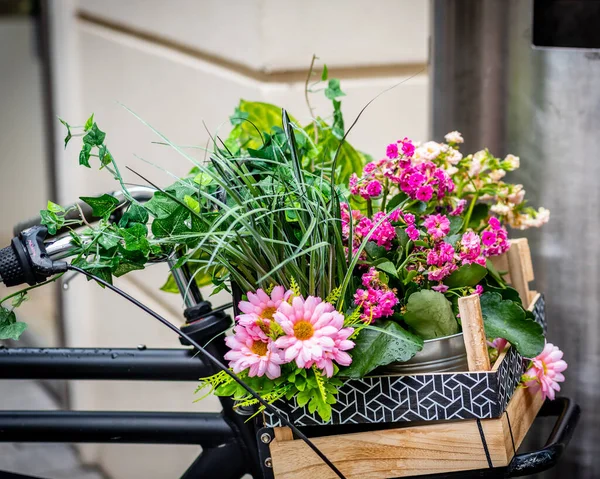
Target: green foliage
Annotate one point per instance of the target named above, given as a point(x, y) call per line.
point(430, 314)
point(10, 328)
point(379, 346)
point(507, 319)
point(102, 206)
point(466, 275)
point(333, 89)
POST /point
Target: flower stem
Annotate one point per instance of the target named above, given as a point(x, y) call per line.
point(470, 212)
point(24, 290)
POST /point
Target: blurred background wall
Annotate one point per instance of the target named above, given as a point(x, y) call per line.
point(180, 63)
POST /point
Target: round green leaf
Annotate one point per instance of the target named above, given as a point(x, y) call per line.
point(430, 314)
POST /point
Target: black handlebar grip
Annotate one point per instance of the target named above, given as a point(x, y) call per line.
point(11, 268)
point(73, 214)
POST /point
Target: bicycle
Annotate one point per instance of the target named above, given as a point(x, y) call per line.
point(233, 443)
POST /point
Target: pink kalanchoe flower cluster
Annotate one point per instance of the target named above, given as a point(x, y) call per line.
point(545, 371)
point(437, 226)
point(311, 333)
point(377, 300)
point(383, 232)
point(494, 238)
point(470, 249)
point(367, 189)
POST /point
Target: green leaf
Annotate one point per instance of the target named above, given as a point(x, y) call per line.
point(430, 314)
point(238, 116)
point(10, 328)
point(192, 203)
point(135, 238)
point(261, 116)
point(95, 136)
point(52, 221)
point(135, 214)
point(84, 155)
point(456, 224)
point(395, 201)
point(108, 240)
point(69, 136)
point(325, 73)
point(466, 275)
point(507, 319)
point(388, 267)
point(161, 205)
point(89, 123)
point(376, 347)
point(172, 224)
point(104, 155)
point(494, 273)
point(102, 206)
point(337, 128)
point(374, 251)
point(333, 89)
point(480, 213)
point(54, 208)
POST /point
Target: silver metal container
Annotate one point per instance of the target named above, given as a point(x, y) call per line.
point(440, 355)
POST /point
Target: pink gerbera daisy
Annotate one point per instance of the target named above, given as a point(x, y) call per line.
point(546, 370)
point(247, 352)
point(259, 310)
point(311, 330)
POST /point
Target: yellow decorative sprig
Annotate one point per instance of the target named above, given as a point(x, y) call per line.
point(334, 295)
point(294, 287)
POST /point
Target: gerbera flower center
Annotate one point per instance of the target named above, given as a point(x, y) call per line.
point(268, 312)
point(303, 330)
point(259, 348)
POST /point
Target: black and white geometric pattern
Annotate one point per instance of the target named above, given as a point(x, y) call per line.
point(423, 397)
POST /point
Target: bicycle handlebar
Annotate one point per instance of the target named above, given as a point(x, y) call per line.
point(30, 260)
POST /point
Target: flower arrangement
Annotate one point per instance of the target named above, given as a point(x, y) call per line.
point(347, 263)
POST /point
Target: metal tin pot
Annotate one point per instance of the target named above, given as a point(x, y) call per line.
point(440, 355)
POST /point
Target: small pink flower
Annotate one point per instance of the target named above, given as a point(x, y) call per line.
point(395, 215)
point(460, 207)
point(488, 238)
point(440, 288)
point(546, 370)
point(374, 189)
point(424, 193)
point(392, 151)
point(409, 219)
point(413, 233)
point(311, 327)
point(437, 226)
point(259, 357)
point(478, 290)
point(494, 223)
point(407, 147)
point(499, 344)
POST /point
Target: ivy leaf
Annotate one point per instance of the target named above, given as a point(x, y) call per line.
point(466, 275)
point(507, 319)
point(376, 347)
point(333, 89)
point(89, 123)
point(54, 208)
point(84, 155)
point(325, 73)
point(430, 314)
point(136, 238)
point(102, 206)
point(95, 136)
point(104, 155)
point(135, 214)
point(161, 205)
point(51, 218)
point(172, 224)
point(338, 120)
point(68, 127)
point(10, 328)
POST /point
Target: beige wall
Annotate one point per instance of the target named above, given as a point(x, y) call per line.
point(181, 62)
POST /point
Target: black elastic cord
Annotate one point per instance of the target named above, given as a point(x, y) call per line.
point(217, 363)
point(511, 433)
point(485, 446)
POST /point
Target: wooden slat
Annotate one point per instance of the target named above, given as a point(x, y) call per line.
point(501, 265)
point(283, 433)
point(415, 450)
point(474, 333)
point(520, 267)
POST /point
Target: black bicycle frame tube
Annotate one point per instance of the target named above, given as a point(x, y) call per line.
point(94, 363)
point(205, 429)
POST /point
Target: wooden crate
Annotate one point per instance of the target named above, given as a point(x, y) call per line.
point(443, 446)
